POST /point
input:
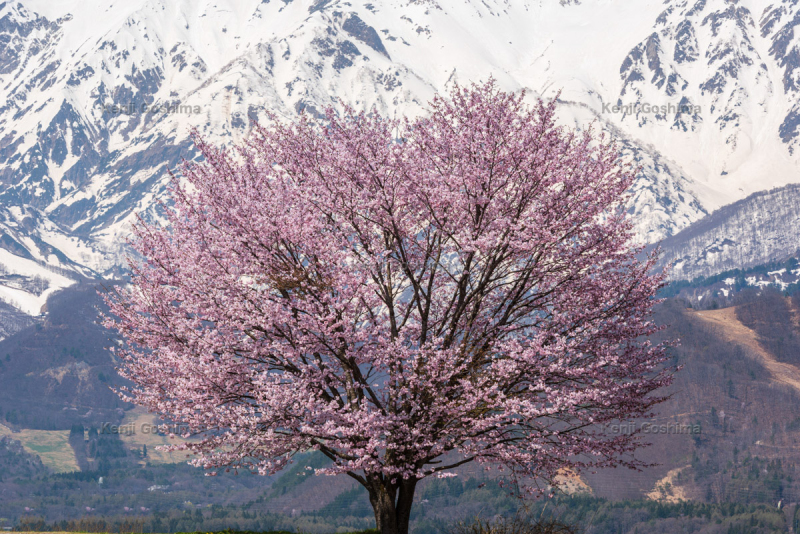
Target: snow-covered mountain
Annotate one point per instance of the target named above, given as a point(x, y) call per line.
point(97, 97)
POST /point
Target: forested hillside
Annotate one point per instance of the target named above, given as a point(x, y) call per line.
point(730, 433)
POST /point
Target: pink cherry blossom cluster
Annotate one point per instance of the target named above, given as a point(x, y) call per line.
point(404, 296)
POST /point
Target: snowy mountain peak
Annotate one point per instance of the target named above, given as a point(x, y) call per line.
point(97, 97)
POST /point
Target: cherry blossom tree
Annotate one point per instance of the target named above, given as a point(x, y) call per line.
point(402, 296)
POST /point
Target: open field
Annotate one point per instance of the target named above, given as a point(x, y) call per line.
point(137, 429)
point(52, 446)
point(141, 424)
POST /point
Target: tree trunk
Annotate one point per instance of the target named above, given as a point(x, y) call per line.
point(391, 503)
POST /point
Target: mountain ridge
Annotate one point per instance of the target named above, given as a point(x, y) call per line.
point(759, 229)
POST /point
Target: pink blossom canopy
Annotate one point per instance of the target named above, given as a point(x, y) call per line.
point(387, 292)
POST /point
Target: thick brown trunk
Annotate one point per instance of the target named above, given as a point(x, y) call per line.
point(391, 504)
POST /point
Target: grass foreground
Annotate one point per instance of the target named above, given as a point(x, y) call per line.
point(370, 531)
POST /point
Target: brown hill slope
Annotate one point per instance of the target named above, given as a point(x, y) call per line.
point(745, 404)
point(733, 330)
point(57, 372)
